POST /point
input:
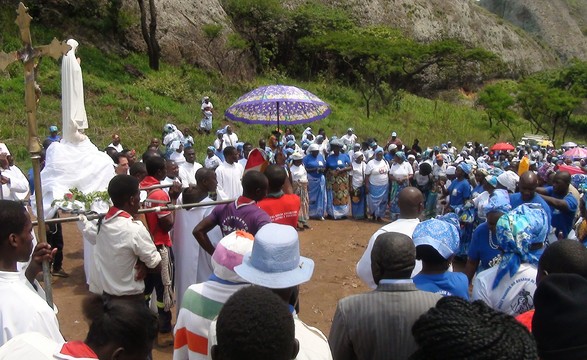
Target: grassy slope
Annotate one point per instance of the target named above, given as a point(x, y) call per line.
point(137, 108)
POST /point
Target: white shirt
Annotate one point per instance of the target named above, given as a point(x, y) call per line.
point(22, 310)
point(120, 242)
point(212, 162)
point(480, 202)
point(439, 170)
point(349, 140)
point(229, 179)
point(378, 171)
point(30, 345)
point(118, 147)
point(299, 173)
point(513, 295)
point(403, 226)
point(18, 188)
point(229, 140)
point(358, 174)
point(401, 171)
point(187, 173)
point(177, 157)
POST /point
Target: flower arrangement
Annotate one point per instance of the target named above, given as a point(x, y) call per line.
point(77, 201)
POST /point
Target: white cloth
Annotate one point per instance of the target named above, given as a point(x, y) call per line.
point(358, 174)
point(229, 140)
point(299, 173)
point(513, 295)
point(349, 140)
point(378, 172)
point(18, 188)
point(480, 202)
point(177, 157)
point(30, 345)
point(72, 97)
point(120, 242)
point(175, 135)
point(229, 179)
point(313, 343)
point(187, 173)
point(439, 170)
point(118, 147)
point(192, 263)
point(68, 166)
point(401, 171)
point(403, 226)
point(22, 310)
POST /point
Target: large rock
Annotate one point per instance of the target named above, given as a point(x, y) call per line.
point(558, 23)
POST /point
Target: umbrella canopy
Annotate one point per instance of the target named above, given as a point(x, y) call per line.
point(569, 144)
point(576, 153)
point(275, 104)
point(502, 147)
point(571, 169)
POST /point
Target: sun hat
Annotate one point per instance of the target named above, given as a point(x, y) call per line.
point(229, 253)
point(275, 260)
point(391, 147)
point(442, 235)
point(53, 128)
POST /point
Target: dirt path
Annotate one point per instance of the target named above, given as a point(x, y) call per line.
point(335, 247)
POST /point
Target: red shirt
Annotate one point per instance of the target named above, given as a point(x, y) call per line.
point(160, 237)
point(282, 210)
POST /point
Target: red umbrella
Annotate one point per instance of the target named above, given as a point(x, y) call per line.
point(502, 147)
point(575, 153)
point(571, 169)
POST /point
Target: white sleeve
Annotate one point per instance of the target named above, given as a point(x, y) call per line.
point(144, 247)
point(89, 229)
point(364, 265)
point(18, 182)
point(480, 291)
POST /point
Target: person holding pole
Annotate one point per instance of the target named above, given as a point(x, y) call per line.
point(21, 310)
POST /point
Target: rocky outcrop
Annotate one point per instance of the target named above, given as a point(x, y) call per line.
point(558, 23)
point(558, 35)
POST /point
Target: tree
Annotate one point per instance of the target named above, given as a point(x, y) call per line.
point(149, 32)
point(498, 103)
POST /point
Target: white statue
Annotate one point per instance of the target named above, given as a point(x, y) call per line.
point(73, 108)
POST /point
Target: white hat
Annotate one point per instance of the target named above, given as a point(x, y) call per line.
point(509, 179)
point(451, 170)
point(275, 260)
point(411, 156)
point(296, 156)
point(394, 134)
point(391, 147)
point(229, 253)
point(313, 147)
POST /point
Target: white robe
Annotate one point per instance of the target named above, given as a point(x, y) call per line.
point(22, 310)
point(187, 173)
point(72, 97)
point(192, 263)
point(229, 179)
point(18, 189)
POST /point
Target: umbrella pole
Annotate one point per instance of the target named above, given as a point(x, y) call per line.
point(278, 121)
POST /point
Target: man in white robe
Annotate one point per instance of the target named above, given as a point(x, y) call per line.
point(192, 263)
point(15, 185)
point(230, 173)
point(188, 169)
point(21, 309)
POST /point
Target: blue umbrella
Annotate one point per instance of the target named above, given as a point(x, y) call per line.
point(273, 104)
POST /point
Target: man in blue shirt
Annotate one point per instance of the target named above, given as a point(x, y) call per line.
point(562, 203)
point(527, 186)
point(54, 133)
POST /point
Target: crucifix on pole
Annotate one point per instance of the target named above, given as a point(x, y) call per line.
point(29, 55)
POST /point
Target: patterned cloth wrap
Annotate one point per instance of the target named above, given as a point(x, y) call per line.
point(579, 181)
point(545, 170)
point(516, 231)
point(441, 233)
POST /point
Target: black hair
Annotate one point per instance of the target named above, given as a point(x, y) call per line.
point(137, 168)
point(121, 188)
point(202, 174)
point(110, 151)
point(149, 154)
point(253, 180)
point(155, 164)
point(118, 156)
point(228, 150)
point(276, 176)
point(393, 255)
point(123, 323)
point(13, 218)
point(564, 256)
point(457, 329)
point(255, 323)
point(429, 255)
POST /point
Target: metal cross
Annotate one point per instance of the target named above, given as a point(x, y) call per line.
point(28, 55)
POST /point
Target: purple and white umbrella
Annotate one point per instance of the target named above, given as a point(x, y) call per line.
point(275, 104)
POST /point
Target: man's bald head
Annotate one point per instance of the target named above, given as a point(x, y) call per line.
point(527, 185)
point(393, 257)
point(410, 202)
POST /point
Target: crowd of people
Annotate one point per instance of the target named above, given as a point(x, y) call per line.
point(480, 254)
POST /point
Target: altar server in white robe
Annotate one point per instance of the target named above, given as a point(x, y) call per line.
point(192, 263)
point(230, 173)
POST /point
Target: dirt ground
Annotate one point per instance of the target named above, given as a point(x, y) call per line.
point(335, 247)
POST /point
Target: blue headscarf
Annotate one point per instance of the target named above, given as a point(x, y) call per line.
point(378, 150)
point(401, 155)
point(466, 167)
point(439, 233)
point(516, 231)
point(211, 148)
point(498, 201)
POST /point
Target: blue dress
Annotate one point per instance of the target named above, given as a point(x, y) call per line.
point(315, 167)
